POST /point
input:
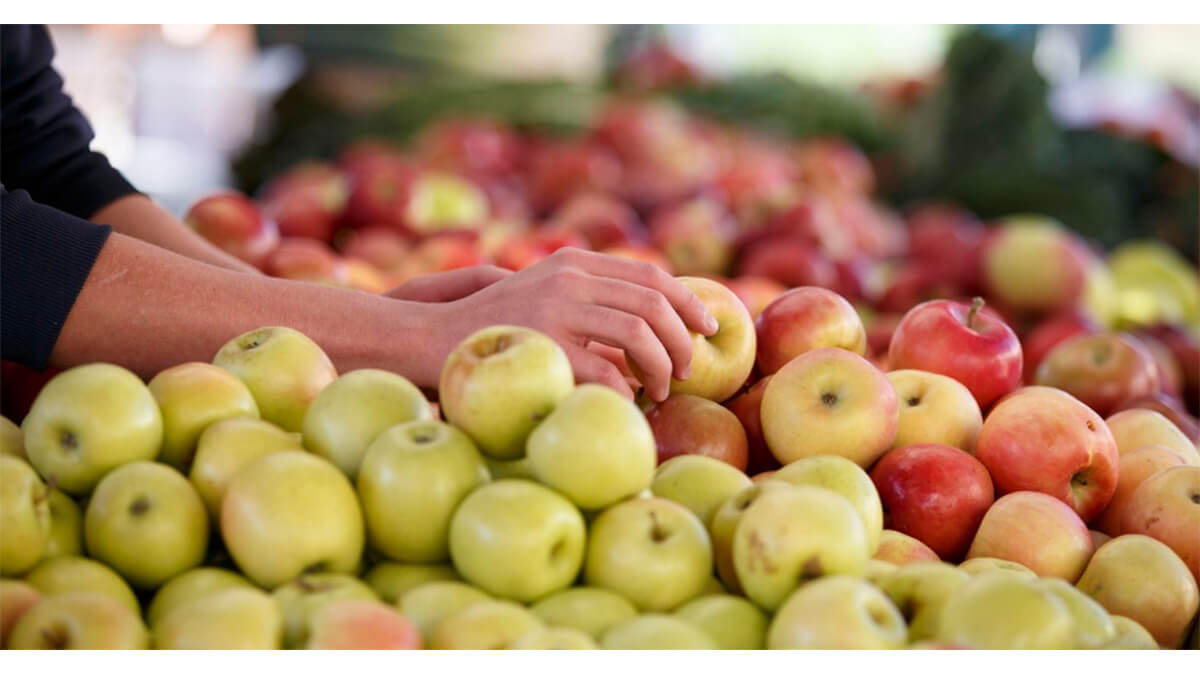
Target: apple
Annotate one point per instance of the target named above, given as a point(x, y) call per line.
point(234, 224)
point(275, 533)
point(75, 574)
point(12, 441)
point(360, 624)
point(748, 408)
point(440, 252)
point(1001, 612)
point(380, 181)
point(696, 236)
point(1101, 370)
point(430, 603)
point(562, 169)
point(989, 565)
point(383, 248)
point(1098, 538)
point(790, 261)
point(652, 631)
point(499, 383)
point(1043, 439)
point(1170, 373)
point(188, 587)
point(602, 221)
point(900, 549)
point(307, 200)
point(1050, 333)
point(1033, 263)
point(89, 420)
point(699, 482)
point(837, 613)
point(1094, 628)
point(301, 259)
point(16, 598)
point(523, 250)
point(833, 165)
point(229, 618)
point(79, 620)
point(919, 591)
point(24, 516)
point(878, 571)
point(724, 523)
point(948, 238)
point(391, 580)
point(438, 200)
point(1166, 506)
point(301, 598)
point(225, 447)
point(1137, 428)
point(755, 292)
point(829, 402)
point(360, 276)
point(845, 478)
point(690, 425)
point(585, 608)
point(1139, 577)
point(491, 624)
point(1036, 530)
point(284, 369)
point(517, 540)
point(192, 396)
point(1168, 407)
point(1133, 469)
point(803, 319)
point(1131, 635)
point(908, 284)
point(935, 493)
point(664, 541)
point(1185, 346)
point(935, 409)
point(554, 638)
point(960, 341)
point(731, 622)
point(476, 144)
point(66, 526)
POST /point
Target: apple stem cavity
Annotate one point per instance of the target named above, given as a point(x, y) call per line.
point(657, 533)
point(55, 637)
point(68, 441)
point(811, 570)
point(976, 305)
point(829, 398)
point(139, 506)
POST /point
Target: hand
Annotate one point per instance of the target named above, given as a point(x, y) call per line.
point(448, 286)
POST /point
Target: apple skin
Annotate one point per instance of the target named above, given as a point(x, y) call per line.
point(920, 590)
point(428, 604)
point(731, 622)
point(989, 565)
point(790, 261)
point(1033, 263)
point(1137, 428)
point(837, 613)
point(16, 597)
point(935, 409)
point(803, 319)
point(24, 516)
point(1168, 407)
point(1043, 439)
point(691, 425)
point(499, 383)
point(491, 624)
point(641, 253)
point(274, 537)
point(699, 482)
point(1036, 530)
point(950, 338)
point(227, 446)
point(653, 631)
point(1133, 469)
point(1001, 612)
point(284, 369)
point(360, 624)
point(1050, 333)
point(228, 618)
point(586, 608)
point(839, 393)
point(845, 478)
point(79, 620)
point(555, 638)
point(1093, 626)
point(724, 523)
point(748, 408)
point(755, 292)
point(391, 580)
point(234, 224)
point(12, 441)
point(307, 594)
point(949, 239)
point(560, 170)
point(696, 236)
point(192, 396)
point(190, 586)
point(1166, 506)
point(935, 493)
point(1131, 635)
point(89, 420)
point(75, 574)
point(901, 549)
point(66, 526)
point(1100, 370)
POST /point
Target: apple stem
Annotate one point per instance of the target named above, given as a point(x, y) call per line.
point(976, 305)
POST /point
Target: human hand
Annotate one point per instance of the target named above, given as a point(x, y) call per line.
point(448, 286)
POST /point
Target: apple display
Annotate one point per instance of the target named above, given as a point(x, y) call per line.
point(491, 624)
point(845, 478)
point(837, 613)
point(1133, 469)
point(190, 586)
point(25, 525)
point(731, 622)
point(225, 447)
point(1001, 612)
point(191, 396)
point(79, 620)
point(1036, 530)
point(699, 482)
point(803, 319)
point(935, 409)
point(1166, 506)
point(691, 425)
point(1100, 370)
point(653, 631)
point(391, 580)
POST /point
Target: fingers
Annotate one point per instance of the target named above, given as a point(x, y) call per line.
point(631, 333)
point(654, 308)
point(590, 367)
point(449, 286)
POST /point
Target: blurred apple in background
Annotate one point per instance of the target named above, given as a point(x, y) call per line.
point(691, 425)
point(1036, 530)
point(642, 253)
point(906, 285)
point(307, 200)
point(948, 238)
point(438, 201)
point(1170, 374)
point(1185, 346)
point(696, 236)
point(602, 221)
point(791, 262)
point(379, 184)
point(803, 319)
point(234, 224)
point(1050, 333)
point(1134, 468)
point(302, 259)
point(1168, 408)
point(1100, 370)
point(383, 248)
point(440, 253)
point(1034, 264)
point(833, 165)
point(472, 144)
point(1138, 427)
point(561, 170)
point(523, 250)
point(748, 407)
point(935, 409)
point(755, 292)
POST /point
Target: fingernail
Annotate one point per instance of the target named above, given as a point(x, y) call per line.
point(687, 372)
point(710, 323)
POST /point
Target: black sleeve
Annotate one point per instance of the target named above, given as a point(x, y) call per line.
point(45, 137)
point(45, 257)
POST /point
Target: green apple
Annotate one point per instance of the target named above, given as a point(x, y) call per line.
point(87, 421)
point(12, 441)
point(79, 620)
point(698, 482)
point(1093, 626)
point(499, 383)
point(24, 516)
point(558, 637)
point(596, 448)
point(354, 409)
point(731, 621)
point(656, 631)
point(428, 604)
point(73, 574)
point(146, 521)
point(901, 549)
point(227, 446)
point(491, 624)
point(189, 586)
point(591, 610)
point(66, 526)
point(878, 571)
point(282, 367)
point(361, 624)
point(517, 540)
point(789, 537)
point(289, 513)
point(653, 551)
point(301, 598)
point(510, 468)
point(981, 565)
point(919, 591)
point(845, 478)
point(1129, 634)
point(837, 613)
point(724, 523)
point(391, 580)
point(192, 396)
point(16, 597)
point(412, 479)
point(714, 587)
point(999, 611)
point(229, 618)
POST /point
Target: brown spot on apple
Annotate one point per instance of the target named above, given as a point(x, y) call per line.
point(140, 506)
point(1091, 425)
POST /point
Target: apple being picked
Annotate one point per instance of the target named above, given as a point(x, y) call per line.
point(696, 236)
point(1101, 370)
point(691, 425)
point(803, 319)
point(1033, 263)
point(1036, 530)
point(234, 224)
point(307, 200)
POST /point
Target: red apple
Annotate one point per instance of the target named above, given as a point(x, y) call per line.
point(758, 183)
point(812, 219)
point(747, 407)
point(877, 230)
point(695, 235)
point(441, 253)
point(559, 171)
point(382, 247)
point(803, 319)
point(1170, 373)
point(791, 262)
point(912, 283)
point(522, 251)
point(1037, 531)
point(880, 327)
point(949, 239)
point(1052, 332)
point(303, 260)
point(473, 145)
point(307, 200)
point(755, 292)
point(232, 222)
point(691, 425)
point(1101, 370)
point(1186, 349)
point(603, 221)
point(833, 165)
point(379, 186)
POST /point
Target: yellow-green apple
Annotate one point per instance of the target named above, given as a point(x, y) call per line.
point(690, 425)
point(877, 571)
point(935, 409)
point(1045, 440)
point(146, 521)
point(748, 407)
point(803, 319)
point(699, 482)
point(428, 604)
point(920, 591)
point(303, 596)
point(16, 597)
point(412, 479)
point(1033, 263)
point(1141, 578)
point(731, 621)
point(662, 540)
point(79, 620)
point(229, 618)
point(517, 540)
point(596, 448)
point(1166, 506)
point(1131, 635)
point(990, 565)
point(1051, 332)
point(12, 441)
point(1101, 370)
point(353, 410)
point(24, 516)
point(491, 624)
point(960, 341)
point(87, 421)
point(66, 526)
point(714, 587)
point(438, 200)
point(656, 631)
point(1036, 530)
point(839, 393)
point(1093, 626)
point(282, 367)
point(192, 396)
point(935, 493)
point(996, 611)
point(289, 513)
point(73, 574)
point(1133, 469)
point(1136, 428)
point(499, 383)
point(721, 362)
point(225, 447)
point(586, 608)
point(510, 468)
point(361, 624)
point(233, 223)
point(845, 478)
point(900, 549)
point(837, 613)
point(391, 580)
point(1098, 538)
point(786, 538)
point(190, 586)
point(724, 523)
point(755, 292)
point(555, 637)
point(696, 235)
